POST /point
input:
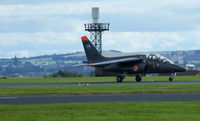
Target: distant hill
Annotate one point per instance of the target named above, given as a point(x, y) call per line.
point(47, 64)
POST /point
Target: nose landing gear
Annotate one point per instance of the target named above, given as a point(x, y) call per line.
point(172, 77)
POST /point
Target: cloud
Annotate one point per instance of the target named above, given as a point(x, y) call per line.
point(44, 27)
point(21, 53)
point(42, 24)
point(31, 44)
point(111, 7)
point(176, 15)
point(196, 34)
point(41, 43)
point(150, 41)
point(44, 40)
point(41, 10)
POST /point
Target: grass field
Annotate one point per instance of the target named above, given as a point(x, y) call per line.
point(107, 89)
point(107, 111)
point(94, 79)
point(129, 111)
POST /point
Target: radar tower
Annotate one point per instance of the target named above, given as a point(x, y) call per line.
point(96, 29)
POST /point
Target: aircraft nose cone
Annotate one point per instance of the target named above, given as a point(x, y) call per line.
point(179, 69)
point(183, 69)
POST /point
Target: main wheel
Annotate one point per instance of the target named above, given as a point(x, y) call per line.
point(138, 78)
point(170, 79)
point(119, 78)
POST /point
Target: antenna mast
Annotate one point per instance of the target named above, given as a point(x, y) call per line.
point(96, 29)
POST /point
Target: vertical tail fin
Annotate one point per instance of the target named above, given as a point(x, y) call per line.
point(91, 52)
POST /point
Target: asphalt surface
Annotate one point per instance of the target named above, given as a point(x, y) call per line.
point(97, 83)
point(100, 98)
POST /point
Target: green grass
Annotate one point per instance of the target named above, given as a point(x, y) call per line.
point(107, 89)
point(126, 111)
point(94, 79)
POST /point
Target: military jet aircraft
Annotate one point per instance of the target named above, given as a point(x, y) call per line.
point(135, 64)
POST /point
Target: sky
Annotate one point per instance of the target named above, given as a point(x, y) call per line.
point(41, 27)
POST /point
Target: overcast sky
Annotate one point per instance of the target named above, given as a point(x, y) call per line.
point(37, 27)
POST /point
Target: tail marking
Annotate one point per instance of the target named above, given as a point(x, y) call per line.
point(84, 38)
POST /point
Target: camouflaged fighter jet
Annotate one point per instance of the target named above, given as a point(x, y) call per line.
point(134, 64)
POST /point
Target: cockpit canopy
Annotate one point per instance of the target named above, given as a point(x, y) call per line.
point(159, 58)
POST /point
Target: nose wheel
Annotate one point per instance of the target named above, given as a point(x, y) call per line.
point(172, 77)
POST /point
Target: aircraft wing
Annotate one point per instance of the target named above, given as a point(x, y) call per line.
point(124, 60)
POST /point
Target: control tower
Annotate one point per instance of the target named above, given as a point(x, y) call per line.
point(96, 29)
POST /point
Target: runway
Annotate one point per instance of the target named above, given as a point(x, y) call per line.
point(98, 83)
point(100, 98)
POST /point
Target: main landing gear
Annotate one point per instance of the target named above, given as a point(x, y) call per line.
point(120, 78)
point(172, 77)
point(138, 78)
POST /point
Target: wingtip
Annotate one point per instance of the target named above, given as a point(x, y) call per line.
point(84, 38)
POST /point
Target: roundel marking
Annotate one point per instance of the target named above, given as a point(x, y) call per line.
point(88, 46)
point(135, 68)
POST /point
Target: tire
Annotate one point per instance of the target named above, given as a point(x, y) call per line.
point(119, 79)
point(170, 79)
point(138, 78)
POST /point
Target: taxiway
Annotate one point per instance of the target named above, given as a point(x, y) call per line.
point(100, 98)
point(98, 83)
